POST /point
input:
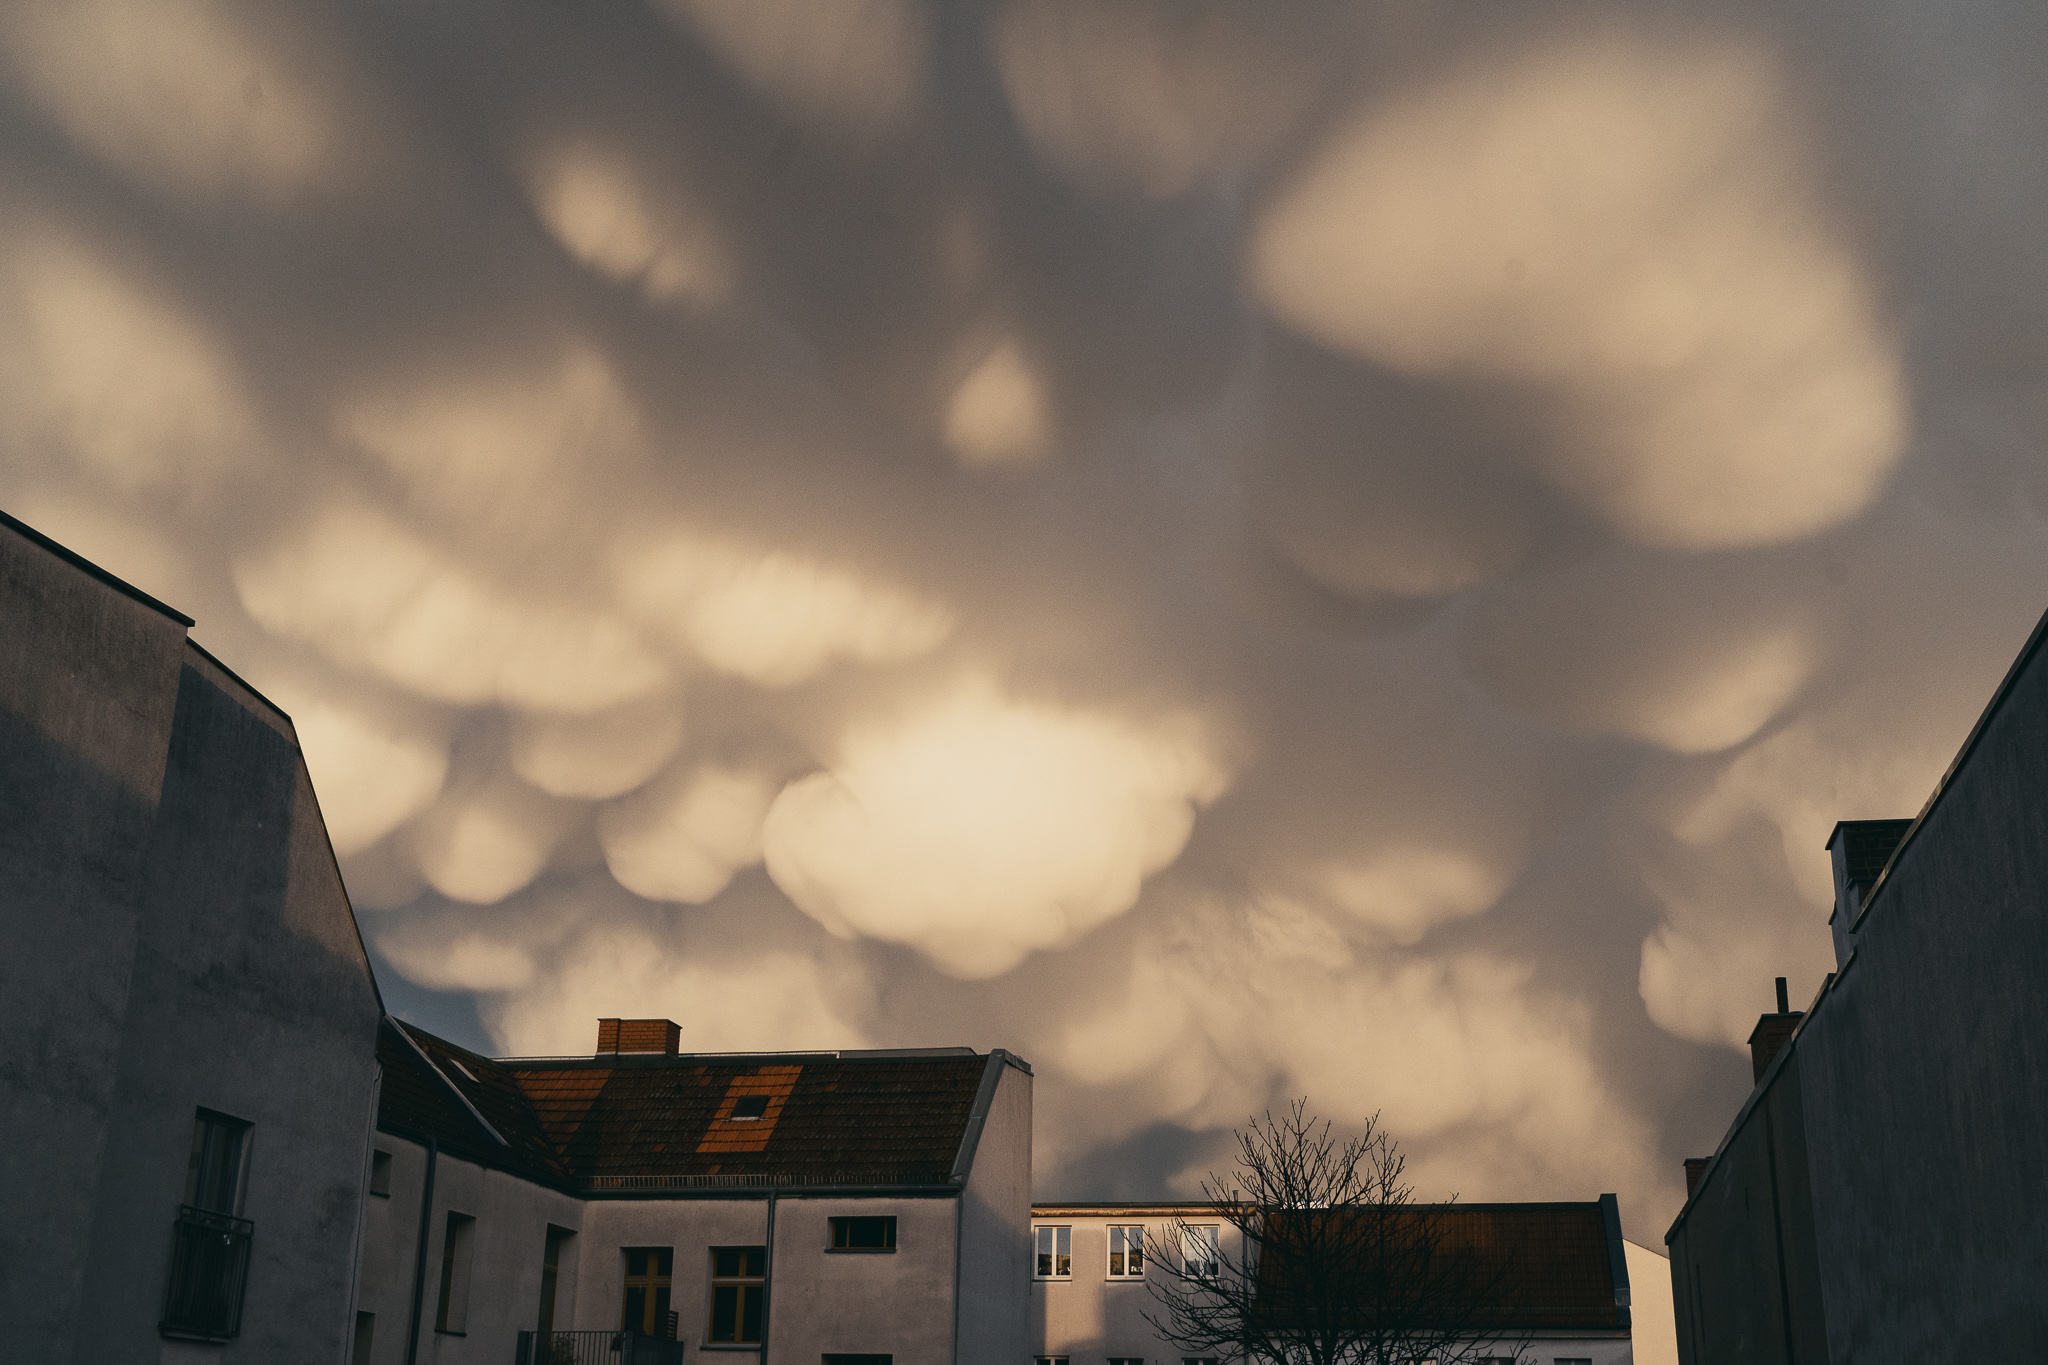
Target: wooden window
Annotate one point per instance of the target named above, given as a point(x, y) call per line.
point(453, 1314)
point(1127, 1252)
point(648, 1271)
point(864, 1234)
point(1055, 1253)
point(739, 1288)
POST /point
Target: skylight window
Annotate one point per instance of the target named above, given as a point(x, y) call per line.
point(750, 1107)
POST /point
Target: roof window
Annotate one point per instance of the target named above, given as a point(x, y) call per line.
point(750, 1107)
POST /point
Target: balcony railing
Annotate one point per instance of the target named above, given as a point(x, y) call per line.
point(597, 1348)
point(209, 1271)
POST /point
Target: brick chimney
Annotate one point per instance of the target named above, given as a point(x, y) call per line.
point(1860, 849)
point(1770, 1034)
point(638, 1036)
point(1695, 1167)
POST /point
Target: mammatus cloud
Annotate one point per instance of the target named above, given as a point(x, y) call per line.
point(981, 827)
point(1354, 551)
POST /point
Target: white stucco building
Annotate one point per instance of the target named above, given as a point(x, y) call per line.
point(856, 1207)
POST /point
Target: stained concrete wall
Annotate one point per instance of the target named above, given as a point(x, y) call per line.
point(88, 686)
point(1921, 1085)
point(1092, 1316)
point(177, 937)
point(893, 1302)
point(995, 1228)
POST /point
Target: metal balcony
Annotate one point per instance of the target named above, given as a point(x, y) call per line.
point(597, 1348)
point(209, 1271)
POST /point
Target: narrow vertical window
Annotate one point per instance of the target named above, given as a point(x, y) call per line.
point(1126, 1252)
point(1055, 1253)
point(366, 1331)
point(648, 1271)
point(550, 1273)
point(210, 1241)
point(456, 1243)
point(380, 1173)
point(739, 1288)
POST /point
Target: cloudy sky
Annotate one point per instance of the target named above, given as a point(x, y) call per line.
point(1234, 550)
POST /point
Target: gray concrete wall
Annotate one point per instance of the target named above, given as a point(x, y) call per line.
point(250, 996)
point(1926, 1075)
point(995, 1229)
point(1092, 1316)
point(88, 685)
point(692, 1227)
point(899, 1302)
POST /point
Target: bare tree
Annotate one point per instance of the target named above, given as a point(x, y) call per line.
point(1332, 1262)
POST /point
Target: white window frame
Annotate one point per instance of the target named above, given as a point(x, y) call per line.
point(1120, 1242)
point(1210, 1261)
point(1060, 1232)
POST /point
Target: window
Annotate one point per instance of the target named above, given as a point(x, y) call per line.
point(1574, 1360)
point(1198, 1360)
point(1126, 1253)
point(550, 1272)
point(209, 1242)
point(1055, 1253)
point(738, 1286)
point(1198, 1251)
point(366, 1329)
point(645, 1308)
point(213, 1179)
point(453, 1314)
point(1127, 1360)
point(380, 1173)
point(858, 1358)
point(750, 1107)
point(1049, 1360)
point(863, 1234)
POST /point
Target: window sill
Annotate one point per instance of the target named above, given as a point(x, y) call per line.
point(187, 1334)
point(381, 1194)
point(449, 1332)
point(1052, 1279)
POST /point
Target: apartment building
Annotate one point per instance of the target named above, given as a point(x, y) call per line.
point(530, 1209)
point(188, 1020)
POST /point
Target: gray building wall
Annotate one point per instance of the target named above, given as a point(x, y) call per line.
point(88, 685)
point(1921, 1084)
point(899, 1302)
point(995, 1228)
point(177, 937)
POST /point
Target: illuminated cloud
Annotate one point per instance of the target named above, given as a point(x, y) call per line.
point(683, 838)
point(371, 594)
point(608, 214)
point(483, 841)
point(772, 617)
point(983, 828)
point(198, 97)
point(106, 366)
point(998, 416)
point(372, 776)
point(1630, 225)
point(596, 756)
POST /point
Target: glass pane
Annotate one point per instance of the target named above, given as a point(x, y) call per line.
point(725, 1263)
point(724, 1313)
point(635, 1315)
point(1137, 1261)
point(636, 1261)
point(665, 1260)
point(1063, 1259)
point(754, 1261)
point(659, 1317)
point(1045, 1251)
point(750, 1315)
point(1116, 1251)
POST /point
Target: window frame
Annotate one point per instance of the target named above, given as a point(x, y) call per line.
point(1039, 1257)
point(840, 1231)
point(740, 1284)
point(656, 1286)
point(1119, 1246)
point(1212, 1263)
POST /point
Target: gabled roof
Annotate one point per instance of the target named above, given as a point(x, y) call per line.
point(652, 1124)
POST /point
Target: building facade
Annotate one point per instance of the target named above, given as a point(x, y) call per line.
point(187, 1016)
point(1879, 1196)
point(1564, 1290)
point(870, 1206)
